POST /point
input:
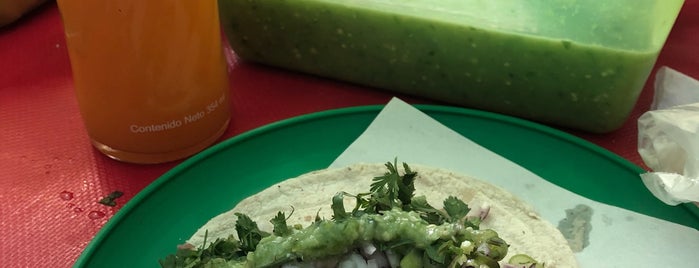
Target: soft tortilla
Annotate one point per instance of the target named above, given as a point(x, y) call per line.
point(310, 194)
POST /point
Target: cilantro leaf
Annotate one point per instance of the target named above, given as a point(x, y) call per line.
point(384, 188)
point(455, 208)
point(248, 232)
point(317, 218)
point(188, 257)
point(427, 212)
point(110, 199)
point(473, 222)
point(406, 185)
point(338, 206)
point(392, 189)
point(279, 223)
point(222, 248)
point(433, 252)
point(365, 201)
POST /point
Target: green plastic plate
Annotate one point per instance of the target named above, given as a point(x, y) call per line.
point(169, 210)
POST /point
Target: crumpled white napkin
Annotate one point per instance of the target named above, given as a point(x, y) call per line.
point(668, 138)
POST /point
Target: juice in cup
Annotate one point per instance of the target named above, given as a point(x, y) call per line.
point(150, 76)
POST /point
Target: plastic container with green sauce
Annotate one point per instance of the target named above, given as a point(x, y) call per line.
point(573, 63)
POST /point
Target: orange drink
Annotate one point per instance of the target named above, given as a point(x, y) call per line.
point(150, 76)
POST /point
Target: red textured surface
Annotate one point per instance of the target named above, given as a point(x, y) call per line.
point(45, 154)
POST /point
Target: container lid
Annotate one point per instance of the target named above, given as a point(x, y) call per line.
point(640, 25)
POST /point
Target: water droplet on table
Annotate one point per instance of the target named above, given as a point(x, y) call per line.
point(78, 210)
point(65, 195)
point(95, 215)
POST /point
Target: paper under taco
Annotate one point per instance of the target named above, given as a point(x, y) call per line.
point(377, 215)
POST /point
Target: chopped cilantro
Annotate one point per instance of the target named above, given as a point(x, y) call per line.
point(455, 208)
point(427, 212)
point(338, 207)
point(279, 223)
point(248, 232)
point(110, 199)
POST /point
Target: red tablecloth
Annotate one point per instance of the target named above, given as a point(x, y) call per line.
point(51, 178)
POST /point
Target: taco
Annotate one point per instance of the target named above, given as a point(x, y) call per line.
point(374, 215)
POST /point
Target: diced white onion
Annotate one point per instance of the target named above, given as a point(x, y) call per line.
point(372, 264)
point(393, 258)
point(483, 248)
point(357, 258)
point(290, 265)
point(368, 249)
point(354, 260)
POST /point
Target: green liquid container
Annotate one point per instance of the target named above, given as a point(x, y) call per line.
point(573, 63)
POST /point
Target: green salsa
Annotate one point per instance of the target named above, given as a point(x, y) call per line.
point(327, 239)
point(579, 64)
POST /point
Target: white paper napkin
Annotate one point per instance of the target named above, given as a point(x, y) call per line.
point(619, 238)
point(668, 138)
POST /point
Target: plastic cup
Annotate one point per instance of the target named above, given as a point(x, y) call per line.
point(150, 76)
